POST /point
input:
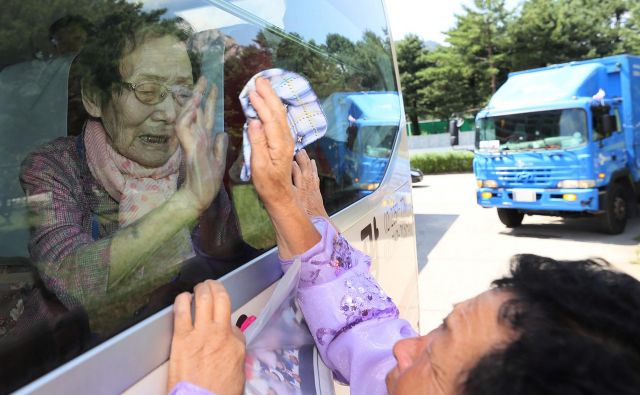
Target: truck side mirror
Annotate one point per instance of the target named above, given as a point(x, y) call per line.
point(608, 124)
point(614, 123)
point(454, 132)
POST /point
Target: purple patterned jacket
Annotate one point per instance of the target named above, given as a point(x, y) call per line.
point(76, 219)
point(354, 323)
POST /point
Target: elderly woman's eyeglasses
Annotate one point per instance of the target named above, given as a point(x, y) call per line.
point(154, 92)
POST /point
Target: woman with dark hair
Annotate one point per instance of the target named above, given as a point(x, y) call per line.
point(120, 207)
point(549, 327)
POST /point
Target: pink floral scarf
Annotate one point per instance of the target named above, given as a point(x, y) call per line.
point(137, 188)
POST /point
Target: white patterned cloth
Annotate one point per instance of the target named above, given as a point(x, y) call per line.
point(304, 113)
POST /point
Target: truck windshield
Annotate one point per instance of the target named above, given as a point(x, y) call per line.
point(377, 140)
point(536, 130)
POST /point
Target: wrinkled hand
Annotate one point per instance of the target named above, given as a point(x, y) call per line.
point(271, 146)
point(210, 352)
point(307, 185)
point(204, 158)
point(271, 167)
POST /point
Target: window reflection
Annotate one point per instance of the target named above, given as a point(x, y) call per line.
point(354, 154)
point(89, 154)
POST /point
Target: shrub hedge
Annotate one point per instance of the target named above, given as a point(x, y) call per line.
point(444, 162)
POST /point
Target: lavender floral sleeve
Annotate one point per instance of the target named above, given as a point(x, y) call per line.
point(186, 388)
point(353, 321)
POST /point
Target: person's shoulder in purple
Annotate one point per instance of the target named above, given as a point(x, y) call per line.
point(343, 306)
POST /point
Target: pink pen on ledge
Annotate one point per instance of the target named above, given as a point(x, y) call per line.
point(245, 321)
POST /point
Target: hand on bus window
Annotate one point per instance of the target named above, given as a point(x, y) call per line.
point(307, 185)
point(204, 156)
point(207, 351)
point(272, 147)
point(271, 169)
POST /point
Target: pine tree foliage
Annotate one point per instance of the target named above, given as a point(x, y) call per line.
point(489, 40)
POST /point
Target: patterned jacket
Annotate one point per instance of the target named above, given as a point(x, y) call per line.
point(73, 219)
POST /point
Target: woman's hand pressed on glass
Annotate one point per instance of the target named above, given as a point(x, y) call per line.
point(204, 157)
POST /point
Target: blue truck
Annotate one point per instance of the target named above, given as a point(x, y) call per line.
point(563, 140)
point(359, 141)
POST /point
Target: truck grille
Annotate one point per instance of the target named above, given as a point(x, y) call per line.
point(530, 177)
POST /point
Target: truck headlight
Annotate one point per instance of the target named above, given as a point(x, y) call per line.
point(490, 183)
point(370, 186)
point(577, 184)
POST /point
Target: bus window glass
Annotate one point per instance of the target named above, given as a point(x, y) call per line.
point(102, 221)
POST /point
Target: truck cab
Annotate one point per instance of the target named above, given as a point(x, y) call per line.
point(563, 140)
point(355, 152)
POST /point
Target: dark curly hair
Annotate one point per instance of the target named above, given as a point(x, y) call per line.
point(578, 325)
point(120, 33)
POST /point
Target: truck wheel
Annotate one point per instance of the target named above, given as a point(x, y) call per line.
point(510, 218)
point(614, 219)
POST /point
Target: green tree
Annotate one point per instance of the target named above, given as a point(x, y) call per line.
point(411, 55)
point(364, 64)
point(312, 61)
point(24, 24)
point(342, 49)
point(446, 87)
point(630, 33)
point(557, 31)
point(242, 63)
point(464, 74)
point(373, 68)
point(480, 38)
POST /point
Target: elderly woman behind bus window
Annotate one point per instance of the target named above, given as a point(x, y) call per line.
point(121, 206)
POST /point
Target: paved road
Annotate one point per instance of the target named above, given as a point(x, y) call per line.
point(462, 247)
